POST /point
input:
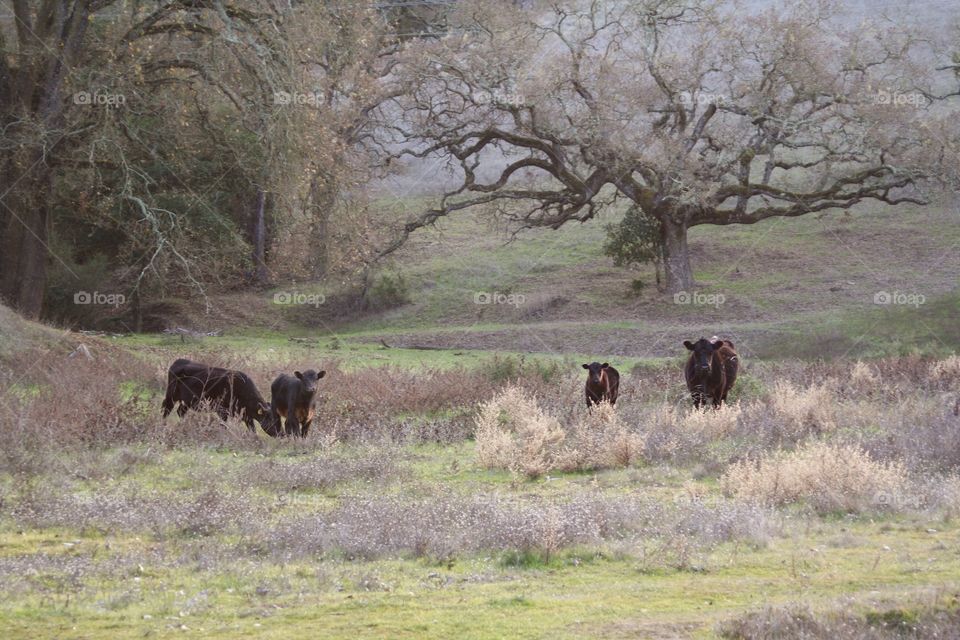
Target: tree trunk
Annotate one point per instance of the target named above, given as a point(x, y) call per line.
point(47, 51)
point(260, 238)
point(24, 248)
point(321, 200)
point(676, 256)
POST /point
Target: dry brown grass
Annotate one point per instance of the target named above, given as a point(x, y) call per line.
point(898, 411)
point(803, 410)
point(798, 621)
point(829, 477)
point(514, 432)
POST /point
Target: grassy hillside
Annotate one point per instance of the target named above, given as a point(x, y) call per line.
point(804, 287)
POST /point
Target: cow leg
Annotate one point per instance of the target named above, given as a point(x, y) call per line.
point(305, 428)
point(700, 398)
point(593, 398)
point(167, 405)
point(274, 429)
point(293, 425)
point(182, 409)
point(170, 398)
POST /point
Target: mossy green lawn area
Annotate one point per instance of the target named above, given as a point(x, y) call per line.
point(127, 578)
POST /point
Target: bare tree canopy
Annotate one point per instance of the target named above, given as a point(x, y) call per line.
point(698, 112)
point(179, 143)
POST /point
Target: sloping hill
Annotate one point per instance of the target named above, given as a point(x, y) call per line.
point(876, 280)
point(18, 335)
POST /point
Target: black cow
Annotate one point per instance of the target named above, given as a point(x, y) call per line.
point(603, 383)
point(229, 393)
point(292, 399)
point(711, 370)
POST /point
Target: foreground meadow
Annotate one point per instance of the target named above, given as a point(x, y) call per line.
point(485, 502)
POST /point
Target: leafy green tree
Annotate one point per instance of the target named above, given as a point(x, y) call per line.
point(636, 240)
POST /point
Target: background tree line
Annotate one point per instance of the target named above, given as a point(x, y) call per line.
point(168, 148)
point(175, 147)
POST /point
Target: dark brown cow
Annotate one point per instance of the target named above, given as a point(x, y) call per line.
point(292, 399)
point(228, 392)
point(711, 370)
point(603, 383)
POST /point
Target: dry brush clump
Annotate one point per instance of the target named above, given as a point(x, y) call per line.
point(896, 413)
point(829, 477)
point(197, 512)
point(444, 526)
point(514, 432)
point(317, 472)
point(803, 410)
point(801, 622)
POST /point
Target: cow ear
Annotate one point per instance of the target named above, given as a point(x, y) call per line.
point(321, 374)
point(586, 366)
point(718, 344)
point(605, 365)
point(298, 374)
point(688, 344)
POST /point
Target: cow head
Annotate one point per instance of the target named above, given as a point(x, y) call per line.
point(263, 415)
point(702, 355)
point(308, 380)
point(594, 370)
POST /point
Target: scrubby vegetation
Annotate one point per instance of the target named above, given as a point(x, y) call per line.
point(432, 479)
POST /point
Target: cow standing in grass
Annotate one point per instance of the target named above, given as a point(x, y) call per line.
point(228, 392)
point(603, 383)
point(293, 400)
point(711, 370)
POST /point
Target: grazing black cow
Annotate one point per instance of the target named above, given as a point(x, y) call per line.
point(292, 399)
point(603, 383)
point(711, 370)
point(229, 393)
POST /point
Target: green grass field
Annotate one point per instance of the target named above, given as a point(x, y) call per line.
point(385, 523)
point(95, 582)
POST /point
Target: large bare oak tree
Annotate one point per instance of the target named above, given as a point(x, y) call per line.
point(700, 113)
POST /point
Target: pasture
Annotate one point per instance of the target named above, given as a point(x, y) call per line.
point(477, 319)
point(467, 491)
